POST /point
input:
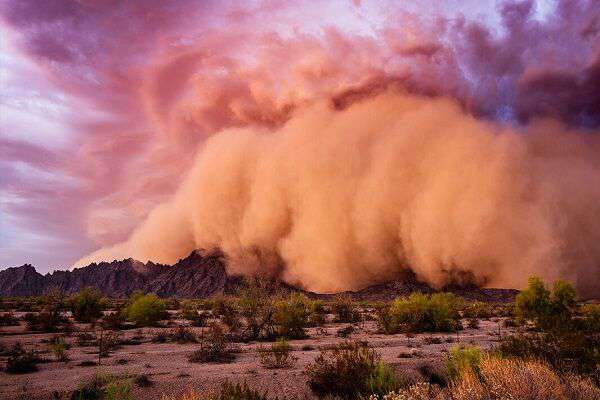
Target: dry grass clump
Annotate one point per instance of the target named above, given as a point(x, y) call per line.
point(279, 355)
point(502, 379)
point(228, 391)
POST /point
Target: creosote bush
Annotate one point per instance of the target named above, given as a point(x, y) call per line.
point(291, 316)
point(419, 312)
point(145, 309)
point(350, 370)
point(86, 305)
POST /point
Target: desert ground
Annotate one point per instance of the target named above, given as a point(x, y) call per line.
point(169, 371)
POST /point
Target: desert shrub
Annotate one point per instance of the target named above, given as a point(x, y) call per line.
point(59, 347)
point(21, 361)
point(213, 347)
point(87, 305)
point(279, 355)
point(461, 359)
point(344, 310)
point(345, 331)
point(8, 319)
point(48, 320)
point(114, 320)
point(478, 309)
point(191, 312)
point(160, 336)
point(571, 352)
point(257, 309)
point(473, 323)
point(349, 370)
point(107, 341)
point(142, 380)
point(438, 312)
point(591, 317)
point(498, 379)
point(291, 316)
point(84, 339)
point(145, 310)
point(548, 310)
point(182, 334)
point(230, 391)
point(226, 310)
point(382, 380)
point(317, 313)
point(383, 317)
point(104, 387)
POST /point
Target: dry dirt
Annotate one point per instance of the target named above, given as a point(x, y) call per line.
point(168, 368)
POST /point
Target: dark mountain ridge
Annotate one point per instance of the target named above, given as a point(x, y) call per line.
point(202, 274)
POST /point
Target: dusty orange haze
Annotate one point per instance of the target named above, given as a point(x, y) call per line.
point(348, 197)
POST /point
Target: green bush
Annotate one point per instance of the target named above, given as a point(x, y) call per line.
point(86, 305)
point(291, 316)
point(145, 310)
point(548, 310)
point(461, 359)
point(350, 370)
point(438, 312)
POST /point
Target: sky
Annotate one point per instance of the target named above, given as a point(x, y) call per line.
point(105, 103)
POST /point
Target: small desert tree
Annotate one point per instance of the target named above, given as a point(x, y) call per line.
point(548, 310)
point(86, 305)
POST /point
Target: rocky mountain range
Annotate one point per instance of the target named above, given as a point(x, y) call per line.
point(202, 274)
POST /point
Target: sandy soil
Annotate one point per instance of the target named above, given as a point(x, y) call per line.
point(171, 373)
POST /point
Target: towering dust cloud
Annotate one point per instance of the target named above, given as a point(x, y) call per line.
point(340, 198)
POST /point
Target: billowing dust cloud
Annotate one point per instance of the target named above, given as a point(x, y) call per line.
point(338, 199)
